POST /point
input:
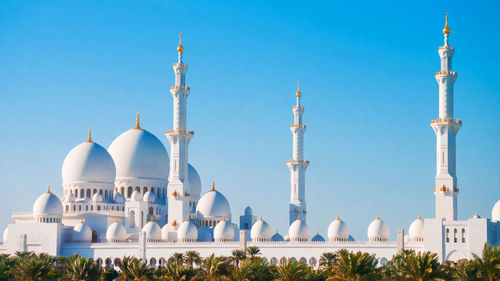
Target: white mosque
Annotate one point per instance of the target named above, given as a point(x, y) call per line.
point(133, 199)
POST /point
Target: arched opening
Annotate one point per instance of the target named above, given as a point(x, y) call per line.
point(138, 189)
point(274, 261)
point(74, 208)
point(80, 208)
point(98, 207)
point(67, 208)
point(151, 211)
point(82, 193)
point(108, 263)
point(152, 190)
point(312, 261)
point(105, 194)
point(94, 237)
point(88, 193)
point(152, 262)
point(463, 235)
point(144, 190)
point(132, 219)
point(455, 235)
point(245, 225)
point(447, 235)
point(94, 191)
point(142, 219)
point(158, 193)
point(129, 191)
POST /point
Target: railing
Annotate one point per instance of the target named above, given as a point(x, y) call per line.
point(297, 161)
point(446, 47)
point(446, 120)
point(179, 132)
point(297, 126)
point(446, 72)
point(179, 88)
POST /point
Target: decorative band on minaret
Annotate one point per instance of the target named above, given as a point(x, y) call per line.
point(179, 138)
point(298, 165)
point(446, 129)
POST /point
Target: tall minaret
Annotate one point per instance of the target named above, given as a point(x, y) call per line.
point(298, 165)
point(178, 186)
point(446, 128)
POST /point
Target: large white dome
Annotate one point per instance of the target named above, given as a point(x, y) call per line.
point(213, 205)
point(224, 231)
point(495, 212)
point(81, 233)
point(152, 230)
point(194, 181)
point(138, 154)
point(261, 231)
point(416, 230)
point(338, 230)
point(116, 232)
point(378, 230)
point(88, 162)
point(187, 232)
point(48, 206)
point(298, 231)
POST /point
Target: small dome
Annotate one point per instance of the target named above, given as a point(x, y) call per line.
point(81, 233)
point(318, 238)
point(213, 205)
point(88, 162)
point(118, 198)
point(97, 198)
point(149, 197)
point(248, 211)
point(298, 231)
point(187, 232)
point(5, 235)
point(416, 230)
point(138, 154)
point(338, 230)
point(116, 232)
point(48, 205)
point(194, 181)
point(378, 230)
point(70, 197)
point(277, 237)
point(261, 231)
point(224, 231)
point(495, 212)
point(152, 230)
point(136, 196)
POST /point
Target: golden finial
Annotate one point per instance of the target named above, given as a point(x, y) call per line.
point(187, 218)
point(213, 186)
point(261, 218)
point(224, 218)
point(137, 125)
point(90, 135)
point(14, 221)
point(446, 29)
point(116, 220)
point(298, 94)
point(48, 189)
point(420, 216)
point(378, 216)
point(299, 218)
point(180, 49)
point(151, 219)
point(338, 217)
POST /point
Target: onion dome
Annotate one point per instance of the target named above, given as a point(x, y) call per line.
point(213, 205)
point(378, 230)
point(318, 238)
point(139, 155)
point(48, 208)
point(152, 230)
point(88, 162)
point(194, 181)
point(277, 237)
point(116, 232)
point(5, 235)
point(149, 197)
point(136, 196)
point(446, 29)
point(180, 48)
point(298, 231)
point(248, 211)
point(416, 230)
point(187, 232)
point(261, 231)
point(70, 197)
point(97, 198)
point(224, 231)
point(495, 212)
point(338, 230)
point(118, 198)
point(81, 233)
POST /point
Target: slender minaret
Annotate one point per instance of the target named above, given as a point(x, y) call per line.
point(446, 128)
point(179, 137)
point(298, 165)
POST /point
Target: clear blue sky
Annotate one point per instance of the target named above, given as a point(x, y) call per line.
point(367, 75)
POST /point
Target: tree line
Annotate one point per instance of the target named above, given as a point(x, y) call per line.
point(343, 265)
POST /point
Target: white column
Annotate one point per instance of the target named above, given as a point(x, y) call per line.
point(297, 165)
point(446, 129)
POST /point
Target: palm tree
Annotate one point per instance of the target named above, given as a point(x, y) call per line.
point(423, 267)
point(140, 271)
point(7, 263)
point(291, 270)
point(488, 264)
point(392, 270)
point(124, 265)
point(78, 268)
point(253, 270)
point(351, 266)
point(253, 252)
point(465, 270)
point(179, 257)
point(327, 260)
point(175, 271)
point(238, 256)
point(315, 275)
point(191, 258)
point(32, 268)
point(215, 269)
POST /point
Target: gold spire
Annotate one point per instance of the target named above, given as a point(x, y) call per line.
point(90, 135)
point(48, 189)
point(187, 219)
point(378, 216)
point(261, 218)
point(180, 49)
point(420, 216)
point(137, 125)
point(299, 218)
point(213, 186)
point(338, 217)
point(151, 218)
point(224, 218)
point(446, 29)
point(14, 222)
point(298, 94)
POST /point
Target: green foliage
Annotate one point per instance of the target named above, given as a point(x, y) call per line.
point(350, 266)
point(215, 269)
point(291, 270)
point(238, 256)
point(78, 268)
point(488, 264)
point(256, 269)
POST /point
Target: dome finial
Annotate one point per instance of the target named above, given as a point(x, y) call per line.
point(187, 218)
point(180, 48)
point(90, 134)
point(261, 218)
point(213, 186)
point(116, 220)
point(137, 125)
point(378, 216)
point(298, 94)
point(48, 189)
point(151, 219)
point(224, 218)
point(446, 29)
point(299, 218)
point(419, 216)
point(338, 217)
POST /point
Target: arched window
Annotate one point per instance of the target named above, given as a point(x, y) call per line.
point(158, 193)
point(151, 210)
point(455, 235)
point(74, 208)
point(98, 207)
point(447, 235)
point(67, 208)
point(94, 191)
point(132, 219)
point(91, 207)
point(129, 191)
point(138, 189)
point(122, 190)
point(82, 193)
point(245, 225)
point(144, 190)
point(142, 219)
point(87, 208)
point(80, 208)
point(463, 235)
point(94, 237)
point(152, 190)
point(312, 261)
point(88, 192)
point(105, 193)
point(152, 262)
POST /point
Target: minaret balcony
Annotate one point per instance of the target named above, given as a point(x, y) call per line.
point(297, 161)
point(446, 73)
point(180, 64)
point(168, 132)
point(297, 126)
point(446, 48)
point(298, 107)
point(447, 120)
point(179, 88)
